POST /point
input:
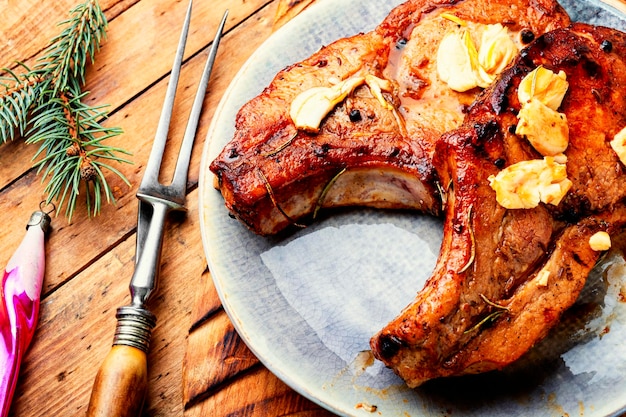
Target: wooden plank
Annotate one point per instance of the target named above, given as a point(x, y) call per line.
point(288, 9)
point(139, 119)
point(219, 371)
point(214, 355)
point(204, 365)
point(273, 399)
point(77, 324)
point(141, 40)
point(21, 19)
point(90, 261)
point(206, 303)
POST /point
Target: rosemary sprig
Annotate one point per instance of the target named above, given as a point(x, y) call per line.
point(270, 193)
point(491, 317)
point(44, 105)
point(322, 197)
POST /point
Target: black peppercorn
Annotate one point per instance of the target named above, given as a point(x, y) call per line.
point(527, 36)
point(606, 46)
point(355, 115)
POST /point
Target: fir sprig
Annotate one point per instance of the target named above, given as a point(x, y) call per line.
point(44, 105)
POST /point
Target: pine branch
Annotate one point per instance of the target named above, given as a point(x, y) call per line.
point(20, 92)
point(65, 59)
point(44, 106)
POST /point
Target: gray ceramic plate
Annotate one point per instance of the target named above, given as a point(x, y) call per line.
point(307, 303)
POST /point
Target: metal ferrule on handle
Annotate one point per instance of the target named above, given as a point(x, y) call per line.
point(134, 327)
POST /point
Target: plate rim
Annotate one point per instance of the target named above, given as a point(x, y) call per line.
point(205, 185)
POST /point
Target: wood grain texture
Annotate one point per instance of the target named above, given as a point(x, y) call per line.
point(274, 398)
point(197, 364)
point(215, 354)
point(90, 261)
point(288, 9)
point(218, 367)
point(119, 389)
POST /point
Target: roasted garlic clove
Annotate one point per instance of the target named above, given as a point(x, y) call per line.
point(546, 129)
point(600, 241)
point(497, 50)
point(545, 86)
point(527, 183)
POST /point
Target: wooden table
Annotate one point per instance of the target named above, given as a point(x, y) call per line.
point(198, 364)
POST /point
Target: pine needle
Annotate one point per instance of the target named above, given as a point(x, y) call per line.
point(44, 105)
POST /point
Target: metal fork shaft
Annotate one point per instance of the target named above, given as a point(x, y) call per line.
point(121, 383)
point(156, 200)
point(144, 280)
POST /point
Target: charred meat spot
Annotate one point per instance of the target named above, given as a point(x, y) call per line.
point(321, 63)
point(233, 153)
point(527, 36)
point(389, 346)
point(525, 56)
point(577, 259)
point(591, 68)
point(394, 152)
point(545, 40)
point(499, 100)
point(578, 52)
point(355, 115)
point(486, 131)
point(572, 215)
point(322, 150)
point(606, 45)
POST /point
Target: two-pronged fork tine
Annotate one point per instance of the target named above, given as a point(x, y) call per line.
point(121, 382)
point(150, 185)
point(150, 182)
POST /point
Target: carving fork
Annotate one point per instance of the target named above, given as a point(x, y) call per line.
point(120, 385)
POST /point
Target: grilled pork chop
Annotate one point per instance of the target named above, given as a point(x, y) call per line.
point(505, 276)
point(365, 152)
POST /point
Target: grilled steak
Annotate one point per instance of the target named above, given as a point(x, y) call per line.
point(273, 175)
point(505, 276)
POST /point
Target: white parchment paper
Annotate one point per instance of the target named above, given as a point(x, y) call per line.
point(349, 281)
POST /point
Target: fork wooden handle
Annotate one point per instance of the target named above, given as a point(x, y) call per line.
point(120, 386)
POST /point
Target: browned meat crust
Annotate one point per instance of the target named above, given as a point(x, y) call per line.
point(272, 176)
point(484, 305)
